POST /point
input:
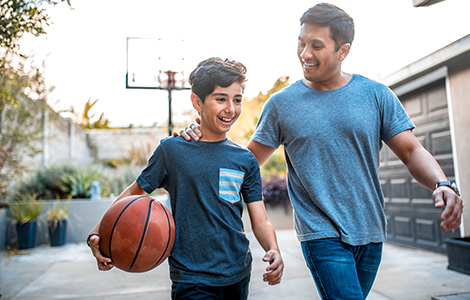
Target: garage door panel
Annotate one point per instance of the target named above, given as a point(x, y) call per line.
point(412, 219)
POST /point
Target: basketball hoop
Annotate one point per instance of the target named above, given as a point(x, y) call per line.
point(172, 80)
point(146, 60)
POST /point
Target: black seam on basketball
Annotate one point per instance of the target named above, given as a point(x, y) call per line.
point(142, 236)
point(169, 236)
point(115, 223)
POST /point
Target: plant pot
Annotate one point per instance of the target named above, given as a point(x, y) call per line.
point(26, 234)
point(57, 232)
point(458, 253)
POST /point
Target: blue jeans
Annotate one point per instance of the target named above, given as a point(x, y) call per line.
point(195, 291)
point(342, 271)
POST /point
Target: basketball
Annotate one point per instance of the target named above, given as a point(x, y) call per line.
point(137, 233)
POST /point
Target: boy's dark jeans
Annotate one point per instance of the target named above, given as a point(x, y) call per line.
point(194, 291)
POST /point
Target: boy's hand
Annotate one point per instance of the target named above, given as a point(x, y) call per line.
point(191, 132)
point(275, 268)
point(104, 263)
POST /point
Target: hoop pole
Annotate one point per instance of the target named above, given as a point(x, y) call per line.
point(170, 125)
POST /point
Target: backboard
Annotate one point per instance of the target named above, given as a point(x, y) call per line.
point(149, 58)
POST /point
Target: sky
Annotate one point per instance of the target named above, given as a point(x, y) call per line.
point(85, 53)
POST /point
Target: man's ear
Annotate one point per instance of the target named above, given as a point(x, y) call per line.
point(343, 51)
point(197, 103)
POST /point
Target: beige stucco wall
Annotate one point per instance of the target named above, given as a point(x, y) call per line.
point(115, 142)
point(459, 100)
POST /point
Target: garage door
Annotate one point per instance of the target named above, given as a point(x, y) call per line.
point(412, 218)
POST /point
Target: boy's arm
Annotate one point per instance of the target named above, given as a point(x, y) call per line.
point(425, 169)
point(104, 263)
point(264, 233)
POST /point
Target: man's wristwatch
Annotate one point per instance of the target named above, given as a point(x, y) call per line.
point(450, 184)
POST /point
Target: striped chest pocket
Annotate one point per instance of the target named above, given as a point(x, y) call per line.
point(230, 183)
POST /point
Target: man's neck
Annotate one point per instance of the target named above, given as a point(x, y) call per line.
point(331, 84)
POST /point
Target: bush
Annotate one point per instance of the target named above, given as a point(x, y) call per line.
point(275, 191)
point(115, 180)
point(25, 210)
point(73, 180)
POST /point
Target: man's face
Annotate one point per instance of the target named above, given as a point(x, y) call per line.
point(316, 52)
point(220, 111)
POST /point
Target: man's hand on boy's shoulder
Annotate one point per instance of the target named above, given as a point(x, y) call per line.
point(275, 269)
point(191, 132)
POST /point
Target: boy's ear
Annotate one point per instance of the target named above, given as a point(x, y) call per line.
point(197, 103)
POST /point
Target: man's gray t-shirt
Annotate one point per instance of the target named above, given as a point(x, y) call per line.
point(332, 141)
point(206, 195)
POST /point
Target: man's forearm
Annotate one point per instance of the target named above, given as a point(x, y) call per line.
point(424, 168)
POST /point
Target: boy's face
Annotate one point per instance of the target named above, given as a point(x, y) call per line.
point(219, 111)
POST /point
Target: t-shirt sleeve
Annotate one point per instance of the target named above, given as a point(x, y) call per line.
point(153, 176)
point(268, 131)
point(394, 117)
point(252, 189)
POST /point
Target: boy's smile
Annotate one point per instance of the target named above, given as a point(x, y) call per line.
point(219, 111)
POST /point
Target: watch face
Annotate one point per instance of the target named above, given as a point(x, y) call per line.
point(450, 184)
point(453, 185)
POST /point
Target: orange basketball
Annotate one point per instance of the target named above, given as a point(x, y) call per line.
point(137, 233)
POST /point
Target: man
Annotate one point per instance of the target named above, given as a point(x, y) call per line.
point(332, 125)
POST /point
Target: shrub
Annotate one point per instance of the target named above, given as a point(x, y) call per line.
point(61, 181)
point(275, 191)
point(115, 180)
point(25, 210)
point(73, 180)
point(78, 184)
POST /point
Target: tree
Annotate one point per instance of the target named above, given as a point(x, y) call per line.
point(85, 119)
point(244, 128)
point(21, 134)
point(22, 90)
point(18, 17)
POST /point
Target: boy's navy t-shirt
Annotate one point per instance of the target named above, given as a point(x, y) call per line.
point(207, 182)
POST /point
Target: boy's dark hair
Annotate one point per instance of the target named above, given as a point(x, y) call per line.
point(215, 71)
point(328, 15)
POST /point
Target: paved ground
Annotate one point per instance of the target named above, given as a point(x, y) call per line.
point(69, 272)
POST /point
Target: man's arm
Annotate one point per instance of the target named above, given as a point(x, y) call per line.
point(104, 263)
point(425, 169)
point(260, 151)
point(264, 233)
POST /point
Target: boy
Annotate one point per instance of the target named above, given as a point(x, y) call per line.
point(211, 256)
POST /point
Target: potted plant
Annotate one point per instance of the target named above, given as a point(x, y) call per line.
point(26, 213)
point(56, 221)
point(458, 253)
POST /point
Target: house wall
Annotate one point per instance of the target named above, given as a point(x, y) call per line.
point(459, 98)
point(455, 69)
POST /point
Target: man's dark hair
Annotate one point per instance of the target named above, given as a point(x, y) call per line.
point(327, 15)
point(215, 71)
